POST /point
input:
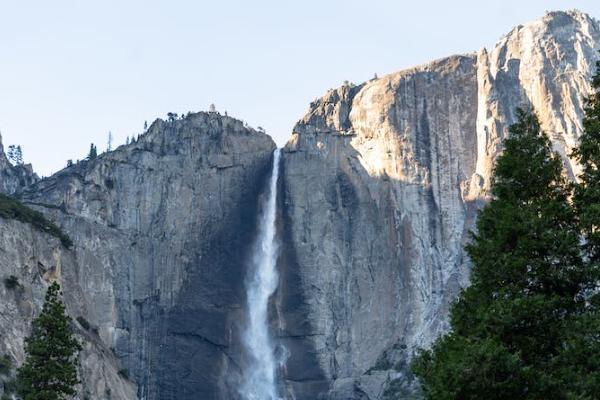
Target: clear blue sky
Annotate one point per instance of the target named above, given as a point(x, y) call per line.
point(70, 71)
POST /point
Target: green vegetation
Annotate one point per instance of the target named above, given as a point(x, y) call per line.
point(124, 373)
point(84, 323)
point(527, 327)
point(12, 209)
point(12, 282)
point(10, 388)
point(5, 365)
point(109, 183)
point(15, 154)
point(8, 384)
point(93, 153)
point(587, 192)
point(50, 368)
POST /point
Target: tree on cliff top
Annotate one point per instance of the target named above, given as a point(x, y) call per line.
point(15, 154)
point(93, 153)
point(519, 331)
point(50, 368)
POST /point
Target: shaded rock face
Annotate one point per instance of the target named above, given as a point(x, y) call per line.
point(381, 184)
point(33, 259)
point(161, 228)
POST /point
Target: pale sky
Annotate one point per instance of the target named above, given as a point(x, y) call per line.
point(71, 71)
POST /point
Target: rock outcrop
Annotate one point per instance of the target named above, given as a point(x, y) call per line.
point(381, 183)
point(14, 177)
point(29, 260)
point(160, 229)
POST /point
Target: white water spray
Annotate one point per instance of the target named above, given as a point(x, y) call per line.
point(259, 375)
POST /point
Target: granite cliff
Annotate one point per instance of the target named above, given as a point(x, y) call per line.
point(381, 183)
point(379, 186)
point(160, 229)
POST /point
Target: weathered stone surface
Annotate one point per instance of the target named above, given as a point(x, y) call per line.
point(35, 259)
point(381, 183)
point(160, 231)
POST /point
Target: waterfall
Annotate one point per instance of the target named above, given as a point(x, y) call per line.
point(259, 375)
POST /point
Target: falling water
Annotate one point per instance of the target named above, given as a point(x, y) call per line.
point(259, 375)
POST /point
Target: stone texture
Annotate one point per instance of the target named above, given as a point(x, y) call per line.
point(381, 184)
point(160, 230)
point(36, 259)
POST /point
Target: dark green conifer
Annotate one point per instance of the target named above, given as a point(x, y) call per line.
point(93, 153)
point(584, 341)
point(587, 154)
point(50, 368)
point(516, 330)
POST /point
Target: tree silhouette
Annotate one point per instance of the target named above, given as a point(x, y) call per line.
point(93, 153)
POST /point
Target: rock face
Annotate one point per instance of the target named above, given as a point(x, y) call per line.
point(160, 228)
point(379, 187)
point(34, 259)
point(381, 183)
point(14, 177)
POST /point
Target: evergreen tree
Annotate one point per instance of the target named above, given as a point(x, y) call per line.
point(15, 154)
point(11, 153)
point(19, 155)
point(50, 368)
point(93, 153)
point(514, 330)
point(587, 191)
point(584, 342)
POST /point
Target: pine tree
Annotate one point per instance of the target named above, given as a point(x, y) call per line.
point(11, 153)
point(93, 153)
point(584, 342)
point(15, 154)
point(19, 155)
point(587, 191)
point(514, 329)
point(50, 368)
